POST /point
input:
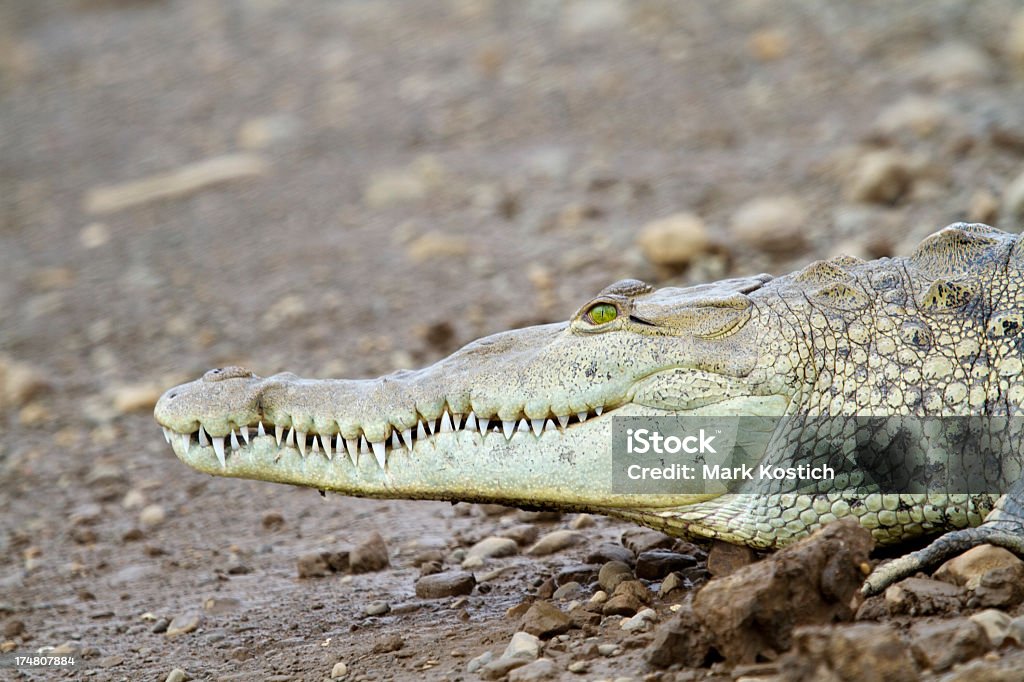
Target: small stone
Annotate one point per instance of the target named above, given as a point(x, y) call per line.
point(1013, 200)
point(569, 590)
point(674, 241)
point(967, 569)
point(312, 565)
point(370, 556)
point(128, 398)
point(259, 133)
point(272, 521)
point(523, 533)
point(523, 646)
point(919, 596)
point(20, 382)
point(865, 652)
point(582, 521)
point(541, 669)
point(607, 649)
point(479, 662)
point(397, 186)
point(622, 605)
point(953, 65)
point(768, 45)
point(655, 564)
point(639, 540)
point(435, 245)
point(613, 573)
point(555, 541)
point(441, 585)
point(94, 235)
point(771, 224)
point(940, 645)
point(1015, 630)
point(640, 622)
point(599, 597)
point(545, 620)
point(607, 551)
point(493, 547)
point(995, 623)
point(881, 177)
point(387, 644)
point(725, 558)
point(1001, 587)
point(152, 515)
point(377, 608)
point(183, 624)
point(13, 628)
point(921, 116)
point(673, 583)
point(339, 670)
point(584, 574)
point(578, 667)
point(176, 675)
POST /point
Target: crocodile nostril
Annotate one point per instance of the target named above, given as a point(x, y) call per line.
point(232, 372)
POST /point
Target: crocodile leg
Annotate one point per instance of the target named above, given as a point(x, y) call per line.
point(1003, 527)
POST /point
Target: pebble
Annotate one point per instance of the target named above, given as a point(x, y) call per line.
point(864, 652)
point(152, 515)
point(541, 669)
point(674, 241)
point(377, 608)
point(771, 224)
point(569, 590)
point(673, 582)
point(639, 540)
point(183, 624)
point(493, 547)
point(313, 565)
point(545, 620)
point(725, 558)
point(20, 382)
point(370, 556)
point(339, 670)
point(920, 596)
point(967, 569)
point(582, 521)
point(128, 398)
point(655, 564)
point(1013, 200)
point(434, 245)
point(583, 574)
point(613, 573)
point(578, 667)
point(640, 622)
point(921, 116)
point(606, 552)
point(607, 649)
point(942, 644)
point(556, 541)
point(995, 623)
point(952, 65)
point(264, 131)
point(272, 521)
point(479, 662)
point(395, 186)
point(176, 675)
point(880, 177)
point(599, 597)
point(523, 533)
point(94, 235)
point(441, 585)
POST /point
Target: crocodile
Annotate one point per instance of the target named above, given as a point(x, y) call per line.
point(525, 417)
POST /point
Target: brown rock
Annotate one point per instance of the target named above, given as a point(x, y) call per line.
point(555, 541)
point(855, 653)
point(655, 564)
point(312, 566)
point(753, 611)
point(725, 558)
point(441, 585)
point(370, 556)
point(1001, 587)
point(880, 176)
point(622, 605)
point(920, 596)
point(633, 588)
point(939, 646)
point(968, 568)
point(613, 573)
point(545, 620)
point(639, 540)
point(674, 241)
point(682, 640)
point(771, 224)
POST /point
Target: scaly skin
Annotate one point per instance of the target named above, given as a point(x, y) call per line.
point(524, 417)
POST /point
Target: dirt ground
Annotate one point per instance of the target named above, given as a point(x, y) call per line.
point(385, 182)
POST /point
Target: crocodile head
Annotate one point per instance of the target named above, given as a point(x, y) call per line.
point(522, 417)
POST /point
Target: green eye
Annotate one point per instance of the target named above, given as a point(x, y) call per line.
point(602, 313)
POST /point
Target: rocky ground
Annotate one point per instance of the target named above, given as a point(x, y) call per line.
point(345, 188)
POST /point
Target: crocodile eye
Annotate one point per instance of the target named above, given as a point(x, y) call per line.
point(602, 313)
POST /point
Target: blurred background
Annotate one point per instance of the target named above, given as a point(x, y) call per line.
point(343, 188)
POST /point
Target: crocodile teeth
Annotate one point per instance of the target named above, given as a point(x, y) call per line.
point(394, 440)
point(315, 447)
point(353, 454)
point(245, 434)
point(218, 447)
point(186, 440)
point(508, 427)
point(430, 426)
point(523, 426)
point(260, 431)
point(598, 410)
point(563, 420)
point(234, 441)
point(203, 439)
point(167, 434)
point(482, 425)
point(378, 452)
point(420, 433)
point(326, 442)
point(470, 421)
point(363, 447)
point(582, 416)
point(278, 432)
point(538, 426)
point(299, 439)
point(407, 439)
point(457, 420)
point(446, 423)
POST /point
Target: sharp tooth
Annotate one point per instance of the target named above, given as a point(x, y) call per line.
point(582, 416)
point(326, 442)
point(378, 452)
point(446, 423)
point(260, 431)
point(394, 440)
point(278, 432)
point(363, 447)
point(407, 438)
point(431, 426)
point(315, 447)
point(167, 434)
point(538, 426)
point(300, 441)
point(598, 410)
point(203, 440)
point(353, 454)
point(482, 425)
point(234, 441)
point(245, 434)
point(563, 420)
point(523, 426)
point(549, 423)
point(509, 427)
point(457, 421)
point(420, 433)
point(218, 447)
point(470, 421)
point(186, 440)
